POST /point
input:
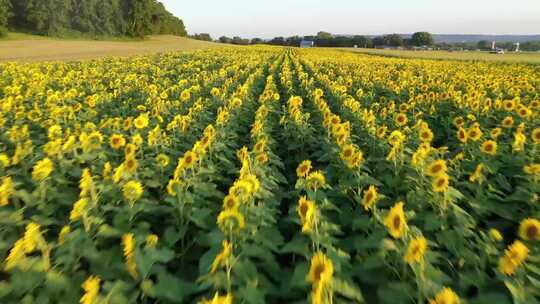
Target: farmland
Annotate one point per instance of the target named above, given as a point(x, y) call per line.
point(269, 175)
point(523, 57)
point(32, 48)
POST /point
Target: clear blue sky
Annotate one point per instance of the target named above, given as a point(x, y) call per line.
point(270, 18)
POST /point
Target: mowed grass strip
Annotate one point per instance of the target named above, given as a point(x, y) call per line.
point(523, 57)
point(28, 48)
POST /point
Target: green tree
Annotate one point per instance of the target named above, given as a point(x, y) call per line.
point(483, 45)
point(93, 17)
point(225, 39)
point(202, 36)
point(421, 38)
point(394, 40)
point(5, 12)
point(324, 35)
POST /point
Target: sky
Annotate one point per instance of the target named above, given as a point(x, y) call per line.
point(271, 18)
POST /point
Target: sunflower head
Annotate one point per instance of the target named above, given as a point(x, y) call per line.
point(401, 119)
point(370, 197)
point(529, 229)
point(440, 183)
point(303, 169)
point(489, 147)
point(508, 122)
point(445, 296)
point(395, 221)
point(437, 168)
point(316, 180)
point(416, 250)
point(230, 221)
point(321, 270)
point(536, 135)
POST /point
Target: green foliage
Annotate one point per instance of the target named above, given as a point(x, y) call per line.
point(136, 18)
point(5, 11)
point(202, 36)
point(421, 38)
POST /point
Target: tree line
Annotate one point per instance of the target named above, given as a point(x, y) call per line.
point(325, 39)
point(135, 18)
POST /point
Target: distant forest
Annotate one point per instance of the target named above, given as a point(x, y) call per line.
point(66, 18)
point(418, 39)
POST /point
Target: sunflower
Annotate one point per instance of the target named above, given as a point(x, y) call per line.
point(355, 160)
point(425, 135)
point(217, 299)
point(495, 234)
point(259, 146)
point(347, 151)
point(162, 160)
point(507, 122)
point(381, 132)
point(131, 164)
point(42, 169)
point(459, 122)
point(130, 149)
point(132, 191)
point(532, 169)
point(437, 168)
point(416, 250)
point(445, 296)
point(536, 135)
point(91, 290)
point(172, 186)
point(509, 105)
point(242, 189)
point(306, 211)
point(152, 240)
point(370, 197)
point(230, 202)
point(141, 121)
point(303, 169)
point(321, 270)
point(117, 141)
point(242, 153)
point(529, 229)
point(395, 221)
point(496, 132)
point(128, 242)
point(79, 209)
point(477, 174)
point(523, 112)
point(6, 190)
point(489, 147)
point(440, 183)
point(222, 257)
point(316, 180)
point(188, 160)
point(462, 135)
point(230, 221)
point(185, 95)
point(401, 119)
point(262, 158)
point(254, 181)
point(513, 257)
point(474, 133)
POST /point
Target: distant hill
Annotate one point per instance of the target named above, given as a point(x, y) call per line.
point(459, 38)
point(451, 38)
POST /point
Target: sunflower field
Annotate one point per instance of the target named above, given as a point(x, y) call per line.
point(269, 175)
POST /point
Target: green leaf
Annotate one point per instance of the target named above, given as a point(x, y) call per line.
point(348, 290)
point(171, 288)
